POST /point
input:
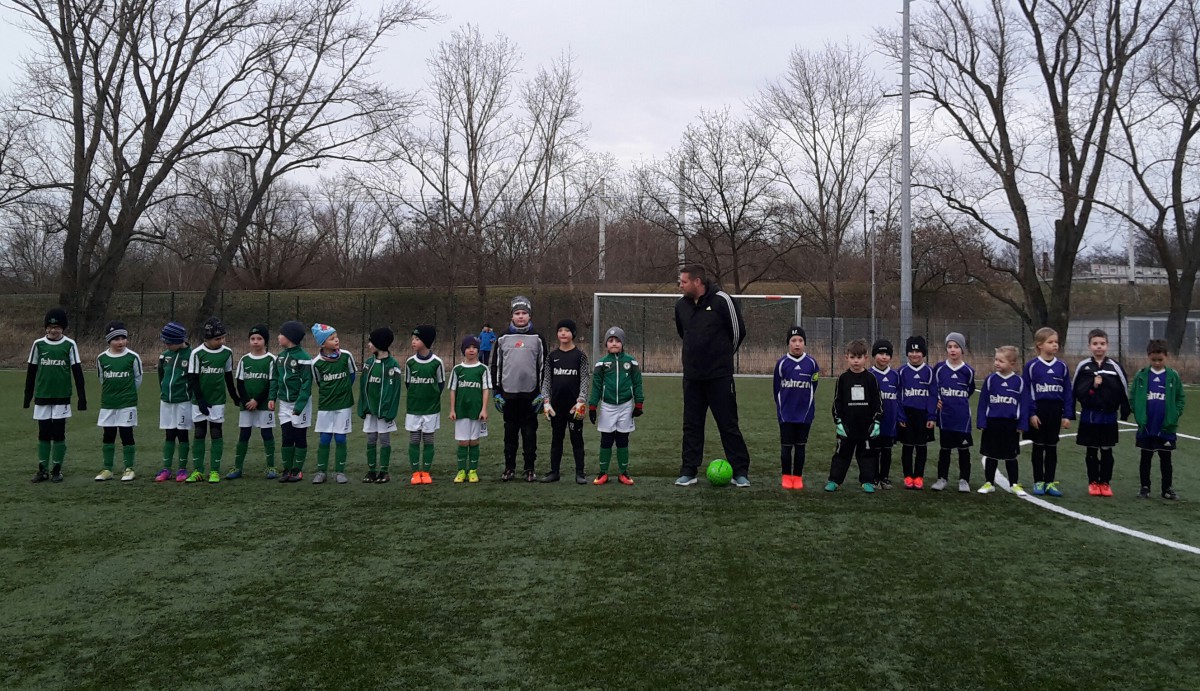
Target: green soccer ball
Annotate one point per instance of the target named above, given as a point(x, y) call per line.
point(719, 472)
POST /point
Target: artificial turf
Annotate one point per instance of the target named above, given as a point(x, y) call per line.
point(254, 584)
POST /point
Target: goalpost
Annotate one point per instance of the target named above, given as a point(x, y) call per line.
point(649, 321)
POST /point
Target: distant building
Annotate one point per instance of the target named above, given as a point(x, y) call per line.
point(1118, 274)
point(1134, 331)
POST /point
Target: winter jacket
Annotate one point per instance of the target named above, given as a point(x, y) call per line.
point(1100, 405)
point(616, 379)
point(712, 329)
point(1175, 399)
point(379, 388)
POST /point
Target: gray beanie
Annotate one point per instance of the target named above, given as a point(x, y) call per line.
point(521, 302)
point(957, 338)
point(616, 332)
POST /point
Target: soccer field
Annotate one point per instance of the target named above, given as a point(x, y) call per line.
point(254, 584)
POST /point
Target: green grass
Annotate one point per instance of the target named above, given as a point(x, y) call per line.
point(254, 584)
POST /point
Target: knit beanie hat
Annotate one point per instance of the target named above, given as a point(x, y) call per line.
point(56, 317)
point(115, 329)
point(427, 333)
point(916, 343)
point(174, 333)
point(882, 346)
point(321, 333)
point(260, 330)
point(796, 331)
point(214, 328)
point(292, 331)
point(382, 338)
point(616, 332)
point(957, 338)
point(567, 324)
point(469, 341)
point(521, 302)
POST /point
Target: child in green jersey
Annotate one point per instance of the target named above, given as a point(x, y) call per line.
point(424, 378)
point(210, 373)
point(378, 403)
point(53, 363)
point(254, 372)
point(617, 389)
point(175, 400)
point(470, 388)
point(120, 372)
point(291, 389)
point(333, 373)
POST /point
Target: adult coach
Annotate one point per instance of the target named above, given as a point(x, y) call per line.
point(517, 370)
point(711, 326)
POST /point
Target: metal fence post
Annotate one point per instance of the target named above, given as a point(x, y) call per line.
point(1120, 334)
point(172, 305)
point(297, 308)
point(363, 330)
point(269, 322)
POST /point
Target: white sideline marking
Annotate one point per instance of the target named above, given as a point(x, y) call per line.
point(1002, 482)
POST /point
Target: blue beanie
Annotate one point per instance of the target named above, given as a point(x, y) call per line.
point(321, 333)
point(174, 333)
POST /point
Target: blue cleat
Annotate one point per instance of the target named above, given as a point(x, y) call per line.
point(1051, 489)
point(1039, 488)
point(235, 475)
point(271, 474)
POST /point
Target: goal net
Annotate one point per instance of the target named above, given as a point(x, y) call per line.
point(649, 323)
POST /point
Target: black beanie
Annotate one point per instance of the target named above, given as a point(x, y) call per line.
point(882, 346)
point(567, 324)
point(796, 331)
point(427, 333)
point(115, 329)
point(56, 317)
point(260, 330)
point(382, 338)
point(916, 343)
point(293, 331)
point(214, 328)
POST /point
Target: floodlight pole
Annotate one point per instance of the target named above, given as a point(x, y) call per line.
point(874, 335)
point(906, 302)
point(682, 220)
point(603, 212)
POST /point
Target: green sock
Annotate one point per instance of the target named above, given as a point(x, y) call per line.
point(108, 451)
point(239, 454)
point(43, 454)
point(218, 452)
point(462, 456)
point(385, 458)
point(168, 453)
point(339, 455)
point(605, 457)
point(414, 456)
point(58, 452)
point(427, 461)
point(301, 455)
point(185, 452)
point(322, 457)
point(129, 454)
point(372, 454)
point(623, 459)
point(473, 457)
point(289, 454)
point(198, 455)
point(269, 451)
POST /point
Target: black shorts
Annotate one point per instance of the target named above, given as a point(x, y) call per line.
point(1050, 415)
point(1000, 440)
point(882, 442)
point(793, 433)
point(956, 440)
point(914, 433)
point(1156, 443)
point(1097, 434)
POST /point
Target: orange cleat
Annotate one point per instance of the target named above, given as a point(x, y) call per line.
point(919, 482)
point(601, 479)
point(787, 482)
point(426, 479)
point(416, 478)
point(797, 482)
point(909, 483)
point(1094, 489)
point(624, 479)
point(1105, 489)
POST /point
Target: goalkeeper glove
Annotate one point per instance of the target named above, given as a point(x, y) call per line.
point(637, 409)
point(499, 403)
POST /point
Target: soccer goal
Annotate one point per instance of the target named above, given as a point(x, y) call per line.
point(649, 323)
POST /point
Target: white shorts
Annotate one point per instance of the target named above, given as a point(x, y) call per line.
point(469, 430)
point(615, 417)
point(262, 418)
point(52, 412)
point(377, 425)
point(216, 413)
point(286, 412)
point(335, 421)
point(174, 415)
point(117, 417)
point(423, 423)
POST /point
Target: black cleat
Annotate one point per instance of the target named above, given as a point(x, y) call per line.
point(530, 476)
point(372, 476)
point(581, 479)
point(509, 474)
point(1144, 494)
point(382, 479)
point(56, 473)
point(1169, 494)
point(551, 476)
point(41, 475)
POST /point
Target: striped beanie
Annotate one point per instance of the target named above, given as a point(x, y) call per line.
point(174, 333)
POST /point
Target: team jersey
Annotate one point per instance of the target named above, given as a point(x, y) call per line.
point(889, 392)
point(954, 387)
point(379, 388)
point(424, 380)
point(210, 366)
point(1102, 404)
point(54, 360)
point(120, 376)
point(616, 379)
point(856, 404)
point(334, 377)
point(1049, 381)
point(293, 378)
point(254, 372)
point(172, 375)
point(1002, 397)
point(468, 382)
point(916, 391)
point(795, 386)
point(568, 376)
point(1156, 402)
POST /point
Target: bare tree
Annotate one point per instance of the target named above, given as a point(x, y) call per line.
point(1031, 92)
point(353, 226)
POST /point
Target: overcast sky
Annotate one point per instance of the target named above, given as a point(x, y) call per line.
point(647, 67)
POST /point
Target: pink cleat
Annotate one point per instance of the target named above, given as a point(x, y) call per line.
point(181, 475)
point(163, 475)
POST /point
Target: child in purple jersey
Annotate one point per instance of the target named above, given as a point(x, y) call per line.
point(889, 392)
point(1051, 407)
point(954, 384)
point(1001, 416)
point(916, 413)
point(1158, 402)
point(795, 386)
